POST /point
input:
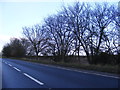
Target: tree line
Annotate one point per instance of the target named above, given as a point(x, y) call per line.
point(79, 28)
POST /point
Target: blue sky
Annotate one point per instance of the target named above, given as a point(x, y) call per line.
point(16, 14)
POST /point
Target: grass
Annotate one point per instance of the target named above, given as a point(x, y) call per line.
point(101, 68)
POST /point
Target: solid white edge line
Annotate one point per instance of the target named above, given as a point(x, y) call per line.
point(33, 79)
point(17, 69)
point(107, 75)
point(84, 72)
point(92, 73)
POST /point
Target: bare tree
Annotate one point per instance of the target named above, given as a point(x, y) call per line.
point(101, 19)
point(116, 34)
point(75, 29)
point(90, 26)
point(78, 21)
point(37, 38)
point(27, 46)
point(60, 34)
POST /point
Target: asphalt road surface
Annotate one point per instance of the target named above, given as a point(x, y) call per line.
point(22, 74)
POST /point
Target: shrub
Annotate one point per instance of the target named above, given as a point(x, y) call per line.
point(104, 58)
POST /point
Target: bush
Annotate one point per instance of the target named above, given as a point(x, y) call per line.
point(104, 58)
point(14, 49)
point(6, 50)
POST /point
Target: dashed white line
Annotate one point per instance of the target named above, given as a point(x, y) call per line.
point(17, 69)
point(33, 79)
point(10, 65)
point(5, 62)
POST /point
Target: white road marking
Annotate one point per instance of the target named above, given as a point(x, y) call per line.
point(5, 62)
point(10, 65)
point(33, 79)
point(116, 77)
point(17, 69)
point(105, 75)
point(91, 73)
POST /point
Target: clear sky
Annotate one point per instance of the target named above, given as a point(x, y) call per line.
point(15, 14)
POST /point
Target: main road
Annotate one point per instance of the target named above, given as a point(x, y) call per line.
point(23, 74)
